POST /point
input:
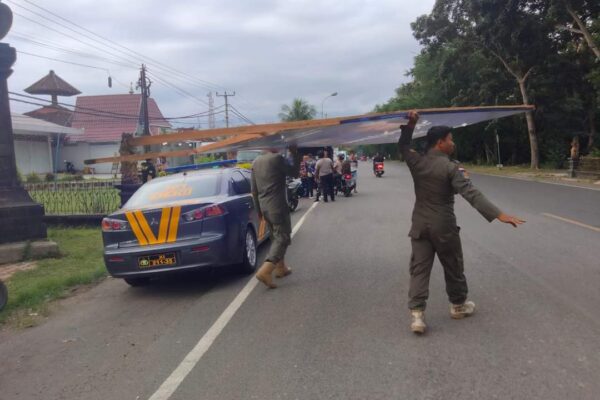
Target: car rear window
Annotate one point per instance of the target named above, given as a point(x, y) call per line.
point(163, 191)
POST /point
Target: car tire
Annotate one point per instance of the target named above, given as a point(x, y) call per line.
point(250, 257)
point(3, 295)
point(135, 282)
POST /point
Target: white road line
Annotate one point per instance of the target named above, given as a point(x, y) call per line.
point(571, 221)
point(166, 390)
point(533, 180)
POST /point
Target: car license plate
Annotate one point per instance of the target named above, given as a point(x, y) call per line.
point(157, 260)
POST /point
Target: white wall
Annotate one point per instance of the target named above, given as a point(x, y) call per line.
point(32, 156)
point(79, 152)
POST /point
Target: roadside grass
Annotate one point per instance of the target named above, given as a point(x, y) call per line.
point(516, 170)
point(31, 291)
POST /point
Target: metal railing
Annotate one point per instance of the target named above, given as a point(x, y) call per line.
point(76, 197)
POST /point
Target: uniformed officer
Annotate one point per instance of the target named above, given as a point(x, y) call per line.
point(269, 171)
point(434, 231)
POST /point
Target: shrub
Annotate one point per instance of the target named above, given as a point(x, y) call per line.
point(32, 178)
point(50, 177)
point(595, 152)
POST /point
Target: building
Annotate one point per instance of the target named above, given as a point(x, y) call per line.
point(103, 120)
point(35, 144)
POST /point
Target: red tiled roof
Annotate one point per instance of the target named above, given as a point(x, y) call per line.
point(53, 113)
point(109, 128)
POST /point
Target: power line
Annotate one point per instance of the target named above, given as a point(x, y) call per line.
point(242, 116)
point(108, 114)
point(159, 64)
point(162, 65)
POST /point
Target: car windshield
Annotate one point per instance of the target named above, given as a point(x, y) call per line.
point(167, 190)
point(247, 155)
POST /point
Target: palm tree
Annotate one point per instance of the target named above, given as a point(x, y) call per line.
point(299, 110)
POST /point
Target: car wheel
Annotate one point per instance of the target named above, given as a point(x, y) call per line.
point(3, 295)
point(250, 253)
point(135, 282)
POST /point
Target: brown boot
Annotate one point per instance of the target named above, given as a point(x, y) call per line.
point(282, 270)
point(417, 324)
point(460, 311)
point(265, 273)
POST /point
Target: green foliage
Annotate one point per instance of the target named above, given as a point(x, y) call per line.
point(33, 178)
point(474, 51)
point(199, 159)
point(50, 177)
point(299, 110)
point(595, 152)
point(82, 263)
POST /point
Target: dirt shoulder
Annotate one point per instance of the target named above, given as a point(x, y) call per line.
point(542, 175)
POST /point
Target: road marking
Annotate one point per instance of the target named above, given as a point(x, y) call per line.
point(169, 386)
point(594, 228)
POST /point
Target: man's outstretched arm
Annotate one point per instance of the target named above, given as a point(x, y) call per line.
point(465, 188)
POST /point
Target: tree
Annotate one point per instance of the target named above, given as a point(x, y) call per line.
point(299, 110)
point(515, 32)
point(582, 18)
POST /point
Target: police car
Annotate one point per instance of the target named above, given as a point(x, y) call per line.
point(182, 222)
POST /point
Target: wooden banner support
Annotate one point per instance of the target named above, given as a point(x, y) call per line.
point(176, 153)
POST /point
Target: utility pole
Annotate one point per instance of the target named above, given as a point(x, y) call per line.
point(144, 121)
point(211, 111)
point(226, 95)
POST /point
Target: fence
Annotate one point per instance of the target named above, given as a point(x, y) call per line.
point(77, 197)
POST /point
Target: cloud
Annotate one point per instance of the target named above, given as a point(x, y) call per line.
point(268, 51)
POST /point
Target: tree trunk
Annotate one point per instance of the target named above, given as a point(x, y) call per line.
point(592, 133)
point(584, 31)
point(533, 141)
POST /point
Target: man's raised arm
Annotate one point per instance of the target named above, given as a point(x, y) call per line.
point(409, 155)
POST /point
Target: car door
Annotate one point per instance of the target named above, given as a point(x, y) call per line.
point(260, 226)
point(240, 202)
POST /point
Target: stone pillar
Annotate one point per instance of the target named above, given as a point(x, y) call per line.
point(20, 217)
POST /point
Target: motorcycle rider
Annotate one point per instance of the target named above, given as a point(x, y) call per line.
point(377, 159)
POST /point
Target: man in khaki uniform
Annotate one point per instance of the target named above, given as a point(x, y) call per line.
point(269, 171)
point(434, 231)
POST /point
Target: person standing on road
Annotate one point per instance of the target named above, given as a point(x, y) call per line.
point(269, 171)
point(434, 231)
point(354, 168)
point(324, 174)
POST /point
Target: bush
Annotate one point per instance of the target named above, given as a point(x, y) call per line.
point(595, 152)
point(50, 177)
point(32, 178)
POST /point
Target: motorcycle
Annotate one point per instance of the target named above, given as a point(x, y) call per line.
point(69, 167)
point(3, 295)
point(378, 169)
point(348, 184)
point(294, 192)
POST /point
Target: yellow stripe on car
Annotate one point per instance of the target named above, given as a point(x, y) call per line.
point(167, 229)
point(174, 224)
point(136, 229)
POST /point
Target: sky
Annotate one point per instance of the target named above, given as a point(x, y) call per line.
point(267, 51)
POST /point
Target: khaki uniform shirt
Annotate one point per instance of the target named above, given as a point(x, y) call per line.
point(269, 185)
point(437, 179)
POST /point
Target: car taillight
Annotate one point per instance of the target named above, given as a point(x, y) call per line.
point(214, 211)
point(114, 225)
point(193, 215)
point(206, 212)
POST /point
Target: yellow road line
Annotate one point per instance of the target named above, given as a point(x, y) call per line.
point(570, 221)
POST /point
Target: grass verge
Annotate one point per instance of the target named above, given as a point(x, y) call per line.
point(29, 292)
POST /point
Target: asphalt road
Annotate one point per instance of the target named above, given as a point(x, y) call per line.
point(337, 328)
